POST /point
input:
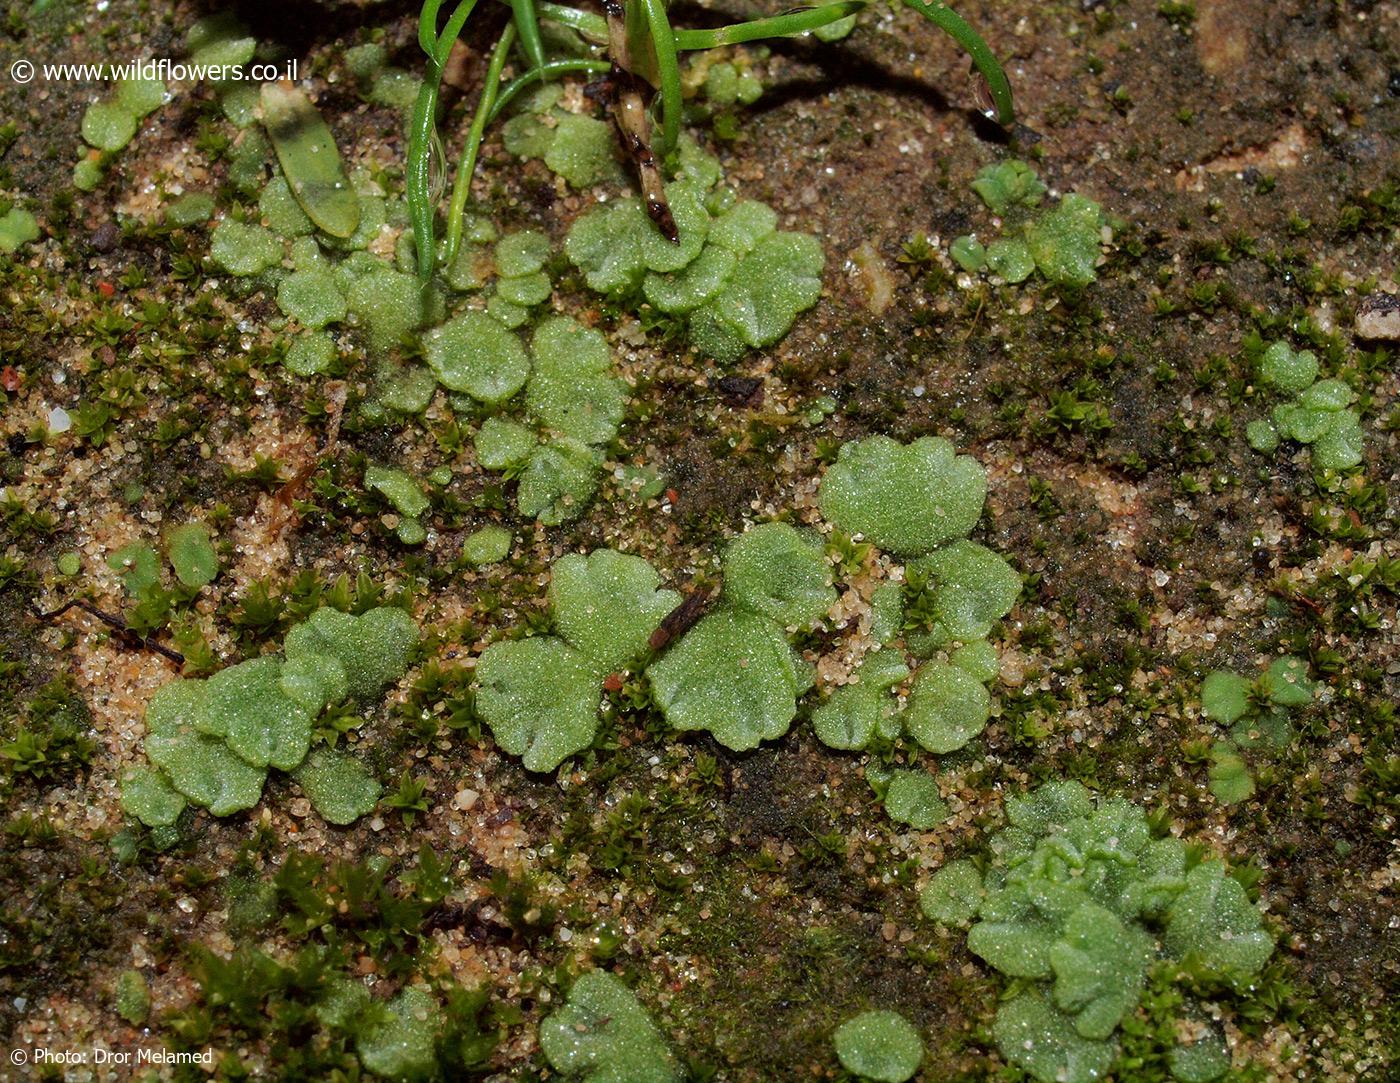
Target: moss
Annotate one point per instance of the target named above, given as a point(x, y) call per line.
point(1008, 184)
point(202, 768)
point(953, 894)
point(570, 391)
point(501, 444)
point(558, 481)
point(1063, 242)
point(520, 254)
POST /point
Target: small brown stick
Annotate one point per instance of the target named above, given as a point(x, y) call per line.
point(116, 624)
point(625, 94)
point(679, 621)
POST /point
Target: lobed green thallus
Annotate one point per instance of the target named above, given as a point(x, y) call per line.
point(1318, 413)
point(1076, 901)
point(1062, 242)
point(1257, 713)
point(735, 673)
point(603, 1035)
point(211, 742)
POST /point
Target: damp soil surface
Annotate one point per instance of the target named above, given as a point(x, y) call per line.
point(1246, 155)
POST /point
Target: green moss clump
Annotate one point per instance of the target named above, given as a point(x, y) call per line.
point(202, 768)
point(261, 723)
point(580, 149)
point(1065, 243)
point(573, 406)
point(1286, 371)
point(388, 303)
point(281, 212)
point(312, 298)
point(108, 125)
point(1079, 901)
point(953, 894)
point(558, 481)
point(602, 1035)
point(219, 41)
point(571, 392)
point(1008, 184)
point(138, 565)
point(373, 648)
point(972, 586)
point(190, 209)
point(523, 253)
